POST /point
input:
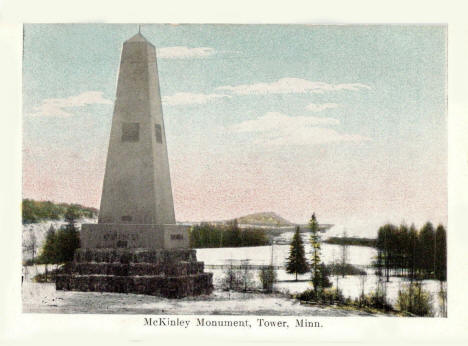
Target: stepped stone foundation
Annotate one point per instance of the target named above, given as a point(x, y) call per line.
point(174, 273)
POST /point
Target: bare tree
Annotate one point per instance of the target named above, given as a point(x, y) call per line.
point(246, 275)
point(231, 277)
point(362, 280)
point(443, 298)
point(344, 254)
point(31, 245)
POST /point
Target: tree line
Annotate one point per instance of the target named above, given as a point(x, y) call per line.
point(355, 241)
point(415, 254)
point(402, 250)
point(37, 211)
point(208, 235)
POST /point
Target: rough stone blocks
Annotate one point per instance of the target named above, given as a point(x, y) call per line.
point(167, 273)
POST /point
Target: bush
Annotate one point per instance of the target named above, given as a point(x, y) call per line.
point(47, 277)
point(232, 279)
point(29, 262)
point(327, 296)
point(346, 269)
point(375, 300)
point(267, 278)
point(325, 277)
point(307, 295)
point(415, 300)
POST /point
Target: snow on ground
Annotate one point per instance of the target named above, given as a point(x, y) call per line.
point(43, 298)
point(357, 255)
point(36, 295)
point(108, 302)
point(350, 285)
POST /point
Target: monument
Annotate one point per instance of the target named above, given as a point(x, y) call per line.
point(136, 246)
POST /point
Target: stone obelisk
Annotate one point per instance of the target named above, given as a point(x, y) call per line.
point(137, 185)
point(137, 209)
point(136, 246)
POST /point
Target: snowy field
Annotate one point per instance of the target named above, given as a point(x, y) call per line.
point(43, 298)
point(350, 285)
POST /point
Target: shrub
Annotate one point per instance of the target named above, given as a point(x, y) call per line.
point(47, 277)
point(374, 300)
point(346, 269)
point(267, 277)
point(415, 300)
point(327, 296)
point(232, 279)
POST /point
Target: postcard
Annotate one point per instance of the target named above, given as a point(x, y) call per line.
point(261, 179)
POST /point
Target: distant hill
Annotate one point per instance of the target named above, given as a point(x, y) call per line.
point(264, 219)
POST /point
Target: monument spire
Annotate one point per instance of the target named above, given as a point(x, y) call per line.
point(137, 184)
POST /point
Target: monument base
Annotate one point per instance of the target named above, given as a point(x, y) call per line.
point(148, 236)
point(174, 273)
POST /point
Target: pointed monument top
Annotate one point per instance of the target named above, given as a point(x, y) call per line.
point(137, 38)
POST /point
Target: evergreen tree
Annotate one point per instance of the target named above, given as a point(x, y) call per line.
point(72, 214)
point(324, 276)
point(68, 238)
point(236, 233)
point(49, 250)
point(195, 237)
point(296, 262)
point(427, 247)
point(411, 251)
point(387, 248)
point(315, 243)
point(441, 254)
point(401, 241)
point(49, 254)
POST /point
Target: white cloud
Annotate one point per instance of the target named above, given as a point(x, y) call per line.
point(318, 107)
point(190, 98)
point(277, 129)
point(290, 86)
point(274, 121)
point(310, 136)
point(182, 52)
point(58, 106)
